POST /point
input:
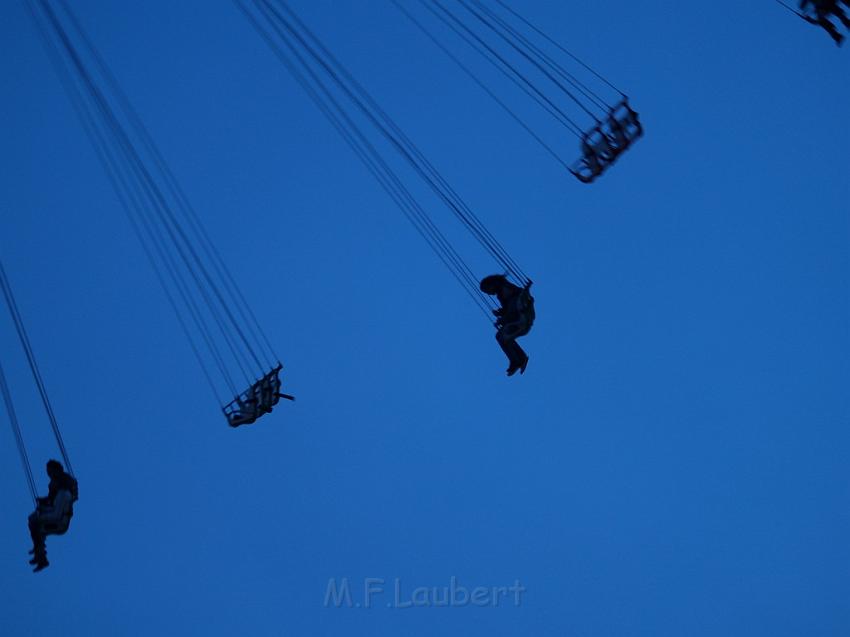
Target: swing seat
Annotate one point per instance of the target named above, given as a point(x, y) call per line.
point(603, 144)
point(259, 399)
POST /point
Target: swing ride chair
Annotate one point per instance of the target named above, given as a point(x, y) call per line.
point(257, 400)
point(813, 13)
point(61, 526)
point(62, 523)
point(604, 143)
point(525, 306)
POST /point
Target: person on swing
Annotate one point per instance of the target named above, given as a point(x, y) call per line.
point(820, 12)
point(53, 512)
point(514, 318)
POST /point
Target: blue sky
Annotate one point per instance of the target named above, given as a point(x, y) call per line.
point(673, 462)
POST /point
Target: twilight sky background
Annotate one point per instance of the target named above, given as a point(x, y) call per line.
point(673, 462)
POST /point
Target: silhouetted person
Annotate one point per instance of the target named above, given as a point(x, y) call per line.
point(53, 513)
point(513, 319)
point(822, 10)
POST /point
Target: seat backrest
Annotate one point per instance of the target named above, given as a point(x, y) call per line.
point(63, 502)
point(58, 523)
point(524, 306)
point(529, 312)
point(74, 488)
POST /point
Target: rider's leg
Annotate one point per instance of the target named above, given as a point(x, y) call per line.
point(517, 358)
